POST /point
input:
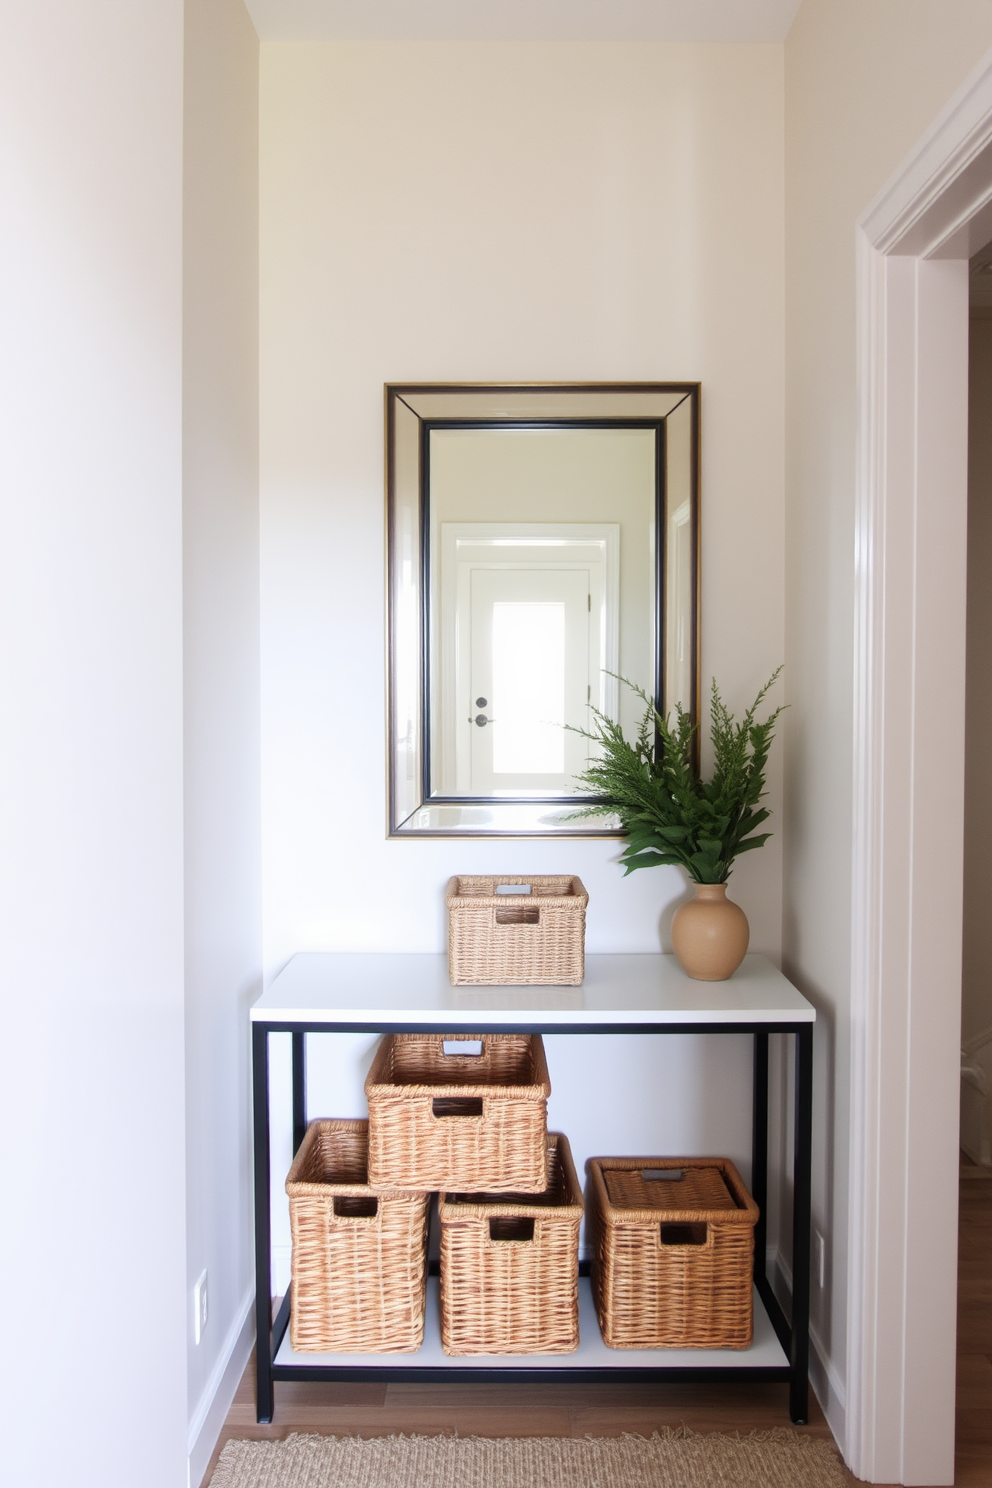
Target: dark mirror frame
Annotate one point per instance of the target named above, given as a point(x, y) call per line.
point(412, 409)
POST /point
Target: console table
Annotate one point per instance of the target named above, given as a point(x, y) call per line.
point(330, 993)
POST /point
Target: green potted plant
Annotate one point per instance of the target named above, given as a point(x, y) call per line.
point(671, 815)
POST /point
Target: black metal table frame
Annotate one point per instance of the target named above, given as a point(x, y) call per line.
point(793, 1336)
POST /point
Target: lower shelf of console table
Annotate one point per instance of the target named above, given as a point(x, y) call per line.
point(765, 1359)
point(322, 994)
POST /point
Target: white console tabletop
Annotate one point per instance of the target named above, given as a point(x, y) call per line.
point(341, 988)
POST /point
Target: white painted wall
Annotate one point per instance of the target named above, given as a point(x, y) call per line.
point(863, 80)
point(487, 212)
point(221, 689)
point(91, 769)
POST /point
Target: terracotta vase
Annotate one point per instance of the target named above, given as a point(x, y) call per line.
point(710, 934)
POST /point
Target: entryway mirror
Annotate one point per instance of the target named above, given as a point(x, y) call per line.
point(541, 540)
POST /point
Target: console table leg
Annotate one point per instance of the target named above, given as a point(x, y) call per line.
point(759, 1153)
point(263, 1269)
point(802, 1196)
point(299, 1089)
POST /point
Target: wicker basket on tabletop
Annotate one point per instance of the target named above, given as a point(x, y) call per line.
point(359, 1252)
point(532, 938)
point(672, 1258)
point(510, 1266)
point(475, 1121)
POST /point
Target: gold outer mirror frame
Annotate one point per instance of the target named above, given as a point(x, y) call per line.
point(411, 410)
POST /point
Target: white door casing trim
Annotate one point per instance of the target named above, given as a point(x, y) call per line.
point(910, 568)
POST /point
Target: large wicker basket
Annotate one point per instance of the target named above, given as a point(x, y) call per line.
point(672, 1259)
point(510, 1266)
point(359, 1253)
point(535, 938)
point(475, 1121)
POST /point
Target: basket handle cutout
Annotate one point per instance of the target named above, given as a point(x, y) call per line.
point(473, 1047)
point(662, 1175)
point(355, 1206)
point(457, 1105)
point(683, 1234)
point(516, 1228)
point(519, 916)
point(513, 888)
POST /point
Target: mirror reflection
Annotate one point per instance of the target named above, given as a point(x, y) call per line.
point(540, 542)
point(541, 581)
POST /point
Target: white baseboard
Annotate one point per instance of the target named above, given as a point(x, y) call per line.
point(828, 1387)
point(218, 1393)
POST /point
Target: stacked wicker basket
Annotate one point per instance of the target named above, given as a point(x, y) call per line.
point(464, 1116)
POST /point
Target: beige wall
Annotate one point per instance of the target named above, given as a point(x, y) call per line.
point(220, 694)
point(976, 1006)
point(864, 78)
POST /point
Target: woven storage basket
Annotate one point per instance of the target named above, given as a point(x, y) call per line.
point(359, 1253)
point(672, 1260)
point(533, 939)
point(475, 1122)
point(510, 1266)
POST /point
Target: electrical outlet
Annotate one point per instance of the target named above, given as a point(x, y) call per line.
point(819, 1259)
point(200, 1311)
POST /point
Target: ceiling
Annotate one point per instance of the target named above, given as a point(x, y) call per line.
point(523, 20)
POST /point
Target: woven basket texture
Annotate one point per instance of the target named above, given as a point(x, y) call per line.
point(359, 1279)
point(513, 1295)
point(672, 1260)
point(530, 940)
point(475, 1122)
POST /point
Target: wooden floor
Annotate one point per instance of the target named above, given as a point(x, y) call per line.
point(607, 1410)
point(973, 1458)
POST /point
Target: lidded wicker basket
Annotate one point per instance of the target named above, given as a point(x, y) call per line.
point(672, 1256)
point(516, 931)
point(510, 1266)
point(459, 1111)
point(359, 1253)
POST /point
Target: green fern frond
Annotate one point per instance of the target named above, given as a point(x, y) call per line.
point(668, 813)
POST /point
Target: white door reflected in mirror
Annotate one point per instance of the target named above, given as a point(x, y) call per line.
point(526, 638)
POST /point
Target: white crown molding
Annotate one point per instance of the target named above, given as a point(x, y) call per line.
point(750, 21)
point(937, 205)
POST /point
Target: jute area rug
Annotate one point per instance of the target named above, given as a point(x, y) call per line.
point(671, 1459)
